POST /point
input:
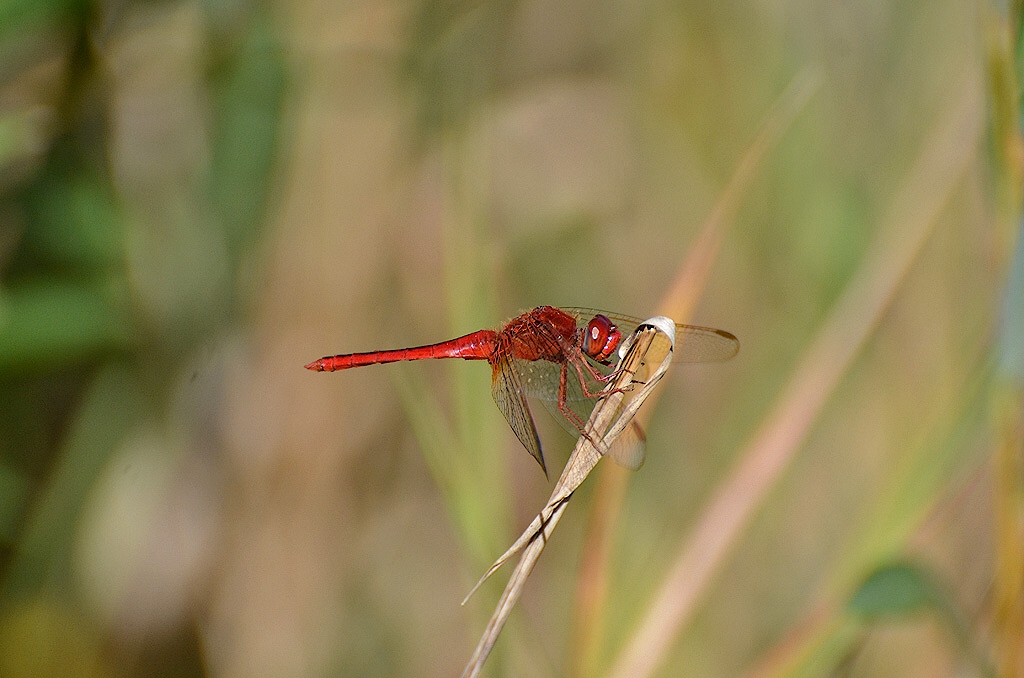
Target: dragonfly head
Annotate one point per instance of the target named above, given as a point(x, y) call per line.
point(602, 338)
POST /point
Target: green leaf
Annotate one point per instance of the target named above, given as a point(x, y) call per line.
point(52, 324)
point(895, 590)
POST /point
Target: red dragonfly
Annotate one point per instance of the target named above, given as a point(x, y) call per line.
point(560, 356)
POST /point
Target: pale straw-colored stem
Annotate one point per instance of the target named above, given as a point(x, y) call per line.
point(614, 411)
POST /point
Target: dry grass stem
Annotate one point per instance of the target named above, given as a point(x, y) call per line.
point(651, 346)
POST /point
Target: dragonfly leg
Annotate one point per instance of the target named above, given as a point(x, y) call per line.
point(597, 376)
point(573, 354)
point(563, 407)
point(569, 414)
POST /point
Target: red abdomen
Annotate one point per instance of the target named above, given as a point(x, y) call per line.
point(476, 346)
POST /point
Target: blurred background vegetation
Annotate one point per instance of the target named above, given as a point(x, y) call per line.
point(198, 197)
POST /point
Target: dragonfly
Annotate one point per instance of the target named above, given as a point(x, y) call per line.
point(560, 356)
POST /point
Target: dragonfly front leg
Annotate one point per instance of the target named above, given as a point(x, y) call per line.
point(573, 354)
point(569, 414)
point(597, 376)
point(596, 373)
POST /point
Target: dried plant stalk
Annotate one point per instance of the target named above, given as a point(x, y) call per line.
point(646, 360)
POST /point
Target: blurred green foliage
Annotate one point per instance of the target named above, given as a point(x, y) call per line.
point(85, 357)
point(894, 591)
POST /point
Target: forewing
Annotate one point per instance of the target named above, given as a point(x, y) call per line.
point(694, 344)
point(508, 394)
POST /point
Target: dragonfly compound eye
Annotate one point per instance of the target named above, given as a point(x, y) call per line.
point(602, 338)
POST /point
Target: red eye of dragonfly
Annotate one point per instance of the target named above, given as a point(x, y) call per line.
point(602, 338)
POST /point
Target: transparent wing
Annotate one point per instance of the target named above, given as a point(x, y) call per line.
point(508, 395)
point(629, 450)
point(540, 380)
point(694, 344)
